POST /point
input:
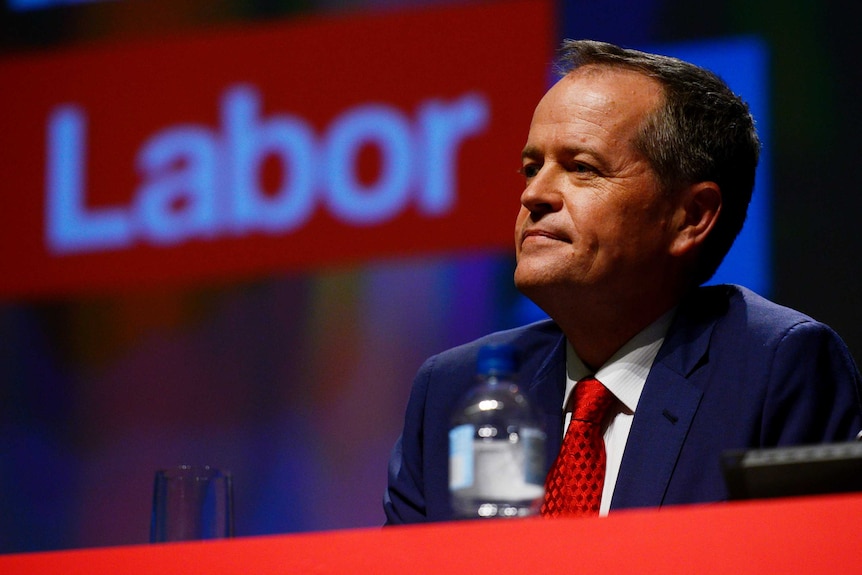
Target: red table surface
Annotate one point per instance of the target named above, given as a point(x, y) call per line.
point(805, 535)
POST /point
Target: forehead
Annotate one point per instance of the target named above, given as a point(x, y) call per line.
point(601, 98)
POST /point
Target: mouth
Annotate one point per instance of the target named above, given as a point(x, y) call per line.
point(543, 234)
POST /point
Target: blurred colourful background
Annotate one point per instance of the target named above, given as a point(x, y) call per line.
point(295, 379)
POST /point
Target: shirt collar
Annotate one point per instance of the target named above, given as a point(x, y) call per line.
point(625, 373)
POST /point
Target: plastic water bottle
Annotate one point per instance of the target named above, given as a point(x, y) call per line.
point(496, 444)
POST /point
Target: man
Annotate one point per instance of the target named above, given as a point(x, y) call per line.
point(638, 173)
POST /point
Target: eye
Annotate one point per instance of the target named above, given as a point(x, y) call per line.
point(582, 168)
point(529, 170)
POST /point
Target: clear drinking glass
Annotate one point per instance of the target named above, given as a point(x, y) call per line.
point(190, 503)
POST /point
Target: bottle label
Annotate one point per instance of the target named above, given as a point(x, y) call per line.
point(495, 469)
point(461, 456)
point(534, 455)
point(502, 471)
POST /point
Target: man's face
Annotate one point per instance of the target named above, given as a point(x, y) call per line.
point(593, 214)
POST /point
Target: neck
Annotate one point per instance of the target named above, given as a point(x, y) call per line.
point(597, 331)
point(596, 343)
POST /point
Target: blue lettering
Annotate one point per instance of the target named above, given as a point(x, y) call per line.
point(178, 200)
point(70, 227)
point(198, 183)
point(248, 142)
point(443, 127)
point(348, 198)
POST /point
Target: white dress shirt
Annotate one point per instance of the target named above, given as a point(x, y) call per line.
point(624, 374)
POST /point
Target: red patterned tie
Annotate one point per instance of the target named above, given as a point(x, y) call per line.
point(574, 484)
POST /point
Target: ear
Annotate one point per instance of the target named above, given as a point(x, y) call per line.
point(696, 213)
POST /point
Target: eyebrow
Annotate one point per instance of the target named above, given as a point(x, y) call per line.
point(569, 151)
point(530, 152)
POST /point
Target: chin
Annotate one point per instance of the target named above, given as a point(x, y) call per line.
point(533, 283)
point(535, 273)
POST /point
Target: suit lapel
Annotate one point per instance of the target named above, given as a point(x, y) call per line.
point(665, 412)
point(547, 388)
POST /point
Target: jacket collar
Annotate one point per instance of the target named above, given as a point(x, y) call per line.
point(669, 402)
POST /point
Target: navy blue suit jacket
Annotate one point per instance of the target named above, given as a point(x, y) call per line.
point(735, 371)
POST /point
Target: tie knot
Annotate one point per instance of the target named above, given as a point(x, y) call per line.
point(591, 400)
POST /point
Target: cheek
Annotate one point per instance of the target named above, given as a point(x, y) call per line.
point(523, 214)
point(605, 233)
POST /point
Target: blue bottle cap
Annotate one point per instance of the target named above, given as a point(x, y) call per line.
point(497, 358)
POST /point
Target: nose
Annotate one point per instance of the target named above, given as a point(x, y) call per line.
point(542, 194)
